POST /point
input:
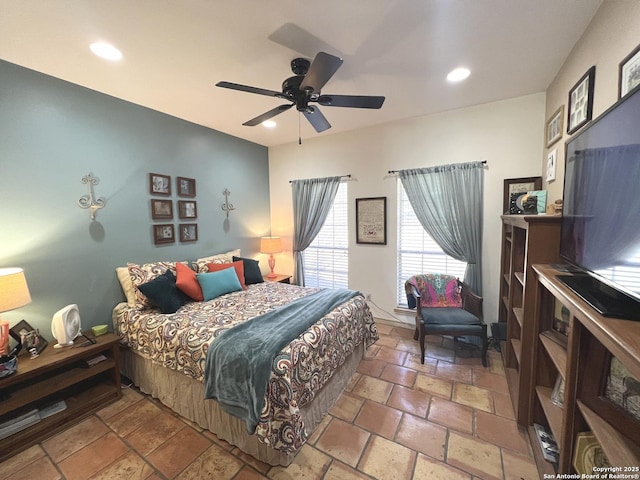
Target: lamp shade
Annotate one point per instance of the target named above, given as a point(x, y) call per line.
point(14, 292)
point(270, 245)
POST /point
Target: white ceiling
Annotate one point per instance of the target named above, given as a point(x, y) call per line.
point(176, 50)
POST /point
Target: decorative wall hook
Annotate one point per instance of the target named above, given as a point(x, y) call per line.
point(88, 201)
point(226, 206)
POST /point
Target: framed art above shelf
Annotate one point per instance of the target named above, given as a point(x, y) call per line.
point(554, 126)
point(518, 185)
point(629, 72)
point(581, 101)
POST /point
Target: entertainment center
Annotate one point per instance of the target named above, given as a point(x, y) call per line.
point(570, 295)
point(584, 365)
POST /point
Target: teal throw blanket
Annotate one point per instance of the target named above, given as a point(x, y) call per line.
point(238, 363)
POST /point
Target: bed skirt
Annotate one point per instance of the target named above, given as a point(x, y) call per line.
point(185, 396)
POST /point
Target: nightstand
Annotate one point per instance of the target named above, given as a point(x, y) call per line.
point(86, 377)
point(278, 279)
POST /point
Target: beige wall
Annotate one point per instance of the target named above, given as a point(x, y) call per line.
point(613, 33)
point(508, 134)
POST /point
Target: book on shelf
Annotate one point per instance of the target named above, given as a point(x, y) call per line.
point(19, 423)
point(95, 360)
point(25, 420)
point(547, 443)
point(556, 336)
point(52, 409)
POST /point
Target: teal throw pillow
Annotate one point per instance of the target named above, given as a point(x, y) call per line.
point(163, 293)
point(218, 283)
point(252, 273)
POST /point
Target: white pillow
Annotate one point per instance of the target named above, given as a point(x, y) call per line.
point(127, 285)
point(220, 258)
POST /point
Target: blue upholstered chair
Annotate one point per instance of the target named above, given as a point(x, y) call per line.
point(445, 306)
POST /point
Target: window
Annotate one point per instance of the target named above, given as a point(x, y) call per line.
point(417, 251)
point(326, 263)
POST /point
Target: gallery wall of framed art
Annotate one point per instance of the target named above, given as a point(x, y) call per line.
point(162, 209)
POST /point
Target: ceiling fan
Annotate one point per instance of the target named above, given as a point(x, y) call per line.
point(304, 88)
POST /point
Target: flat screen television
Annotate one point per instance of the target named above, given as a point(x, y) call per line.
point(600, 228)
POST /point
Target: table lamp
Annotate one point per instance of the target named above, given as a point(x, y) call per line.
point(271, 245)
point(14, 293)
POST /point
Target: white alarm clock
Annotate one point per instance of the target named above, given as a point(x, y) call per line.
point(65, 325)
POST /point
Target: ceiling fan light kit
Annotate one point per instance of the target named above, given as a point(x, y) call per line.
point(304, 88)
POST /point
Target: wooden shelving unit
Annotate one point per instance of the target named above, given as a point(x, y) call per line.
point(59, 374)
point(526, 239)
point(584, 365)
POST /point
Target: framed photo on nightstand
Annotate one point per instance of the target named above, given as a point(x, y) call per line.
point(29, 337)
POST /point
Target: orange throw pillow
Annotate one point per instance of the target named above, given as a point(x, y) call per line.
point(239, 266)
point(187, 282)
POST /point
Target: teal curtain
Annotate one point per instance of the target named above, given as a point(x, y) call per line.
point(312, 200)
point(448, 201)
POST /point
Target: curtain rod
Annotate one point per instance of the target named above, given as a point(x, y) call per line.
point(341, 176)
point(391, 172)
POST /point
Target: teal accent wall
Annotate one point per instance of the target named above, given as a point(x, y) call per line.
point(53, 133)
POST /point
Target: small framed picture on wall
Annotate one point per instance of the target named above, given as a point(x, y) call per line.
point(161, 209)
point(554, 126)
point(552, 158)
point(581, 101)
point(629, 72)
point(514, 186)
point(159, 184)
point(187, 209)
point(163, 234)
point(371, 220)
point(186, 186)
point(188, 232)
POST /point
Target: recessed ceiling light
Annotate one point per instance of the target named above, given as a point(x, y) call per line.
point(458, 74)
point(269, 123)
point(106, 51)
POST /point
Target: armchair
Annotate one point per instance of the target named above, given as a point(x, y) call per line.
point(445, 306)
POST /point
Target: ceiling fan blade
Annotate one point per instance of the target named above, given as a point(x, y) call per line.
point(267, 115)
point(317, 119)
point(246, 88)
point(320, 71)
point(353, 101)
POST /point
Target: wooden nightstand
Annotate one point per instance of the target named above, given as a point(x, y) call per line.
point(278, 278)
point(59, 374)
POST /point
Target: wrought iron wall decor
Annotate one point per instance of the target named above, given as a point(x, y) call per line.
point(89, 201)
point(226, 206)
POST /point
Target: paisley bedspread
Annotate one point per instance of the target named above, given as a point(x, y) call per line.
point(180, 342)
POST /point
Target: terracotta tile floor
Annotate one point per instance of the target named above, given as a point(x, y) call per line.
point(398, 419)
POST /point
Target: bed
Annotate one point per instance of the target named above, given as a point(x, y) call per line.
point(166, 357)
